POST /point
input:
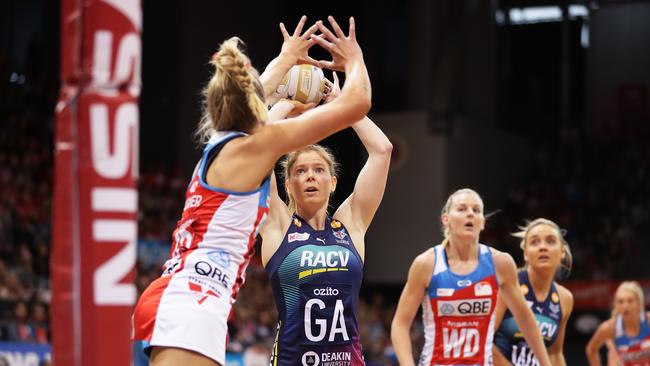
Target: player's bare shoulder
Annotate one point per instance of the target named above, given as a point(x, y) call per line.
point(501, 258)
point(425, 260)
point(608, 327)
point(422, 267)
point(566, 298)
point(504, 266)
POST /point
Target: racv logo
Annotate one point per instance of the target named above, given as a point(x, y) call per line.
point(319, 261)
point(319, 258)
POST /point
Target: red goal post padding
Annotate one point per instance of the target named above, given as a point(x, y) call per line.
point(95, 194)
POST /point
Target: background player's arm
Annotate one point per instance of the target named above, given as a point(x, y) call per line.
point(497, 357)
point(294, 50)
point(556, 350)
point(509, 290)
point(359, 208)
point(604, 332)
point(612, 354)
point(277, 222)
point(407, 307)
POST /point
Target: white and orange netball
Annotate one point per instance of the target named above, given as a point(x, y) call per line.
point(303, 83)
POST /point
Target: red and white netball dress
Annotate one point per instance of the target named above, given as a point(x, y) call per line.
point(458, 313)
point(633, 351)
point(188, 306)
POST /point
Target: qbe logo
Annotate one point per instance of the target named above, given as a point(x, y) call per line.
point(469, 307)
point(204, 268)
point(310, 358)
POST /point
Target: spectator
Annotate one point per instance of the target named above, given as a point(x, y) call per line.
point(19, 329)
point(39, 323)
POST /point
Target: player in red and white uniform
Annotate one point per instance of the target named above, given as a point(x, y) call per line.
point(628, 329)
point(182, 316)
point(457, 284)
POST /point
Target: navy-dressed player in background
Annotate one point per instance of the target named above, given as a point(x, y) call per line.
point(546, 253)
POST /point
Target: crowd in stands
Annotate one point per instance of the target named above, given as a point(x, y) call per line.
point(596, 187)
point(26, 171)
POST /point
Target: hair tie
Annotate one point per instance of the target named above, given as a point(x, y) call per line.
point(215, 56)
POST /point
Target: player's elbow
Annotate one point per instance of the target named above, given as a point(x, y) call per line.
point(358, 101)
point(396, 329)
point(386, 148)
point(590, 350)
point(360, 106)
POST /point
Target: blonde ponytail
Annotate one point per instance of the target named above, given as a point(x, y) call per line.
point(234, 97)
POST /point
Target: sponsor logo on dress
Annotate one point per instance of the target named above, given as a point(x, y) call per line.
point(645, 343)
point(555, 297)
point(468, 307)
point(203, 292)
point(221, 257)
point(340, 236)
point(206, 269)
point(323, 261)
point(444, 292)
point(446, 309)
point(464, 283)
point(327, 291)
point(555, 310)
point(482, 289)
point(297, 237)
point(310, 358)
